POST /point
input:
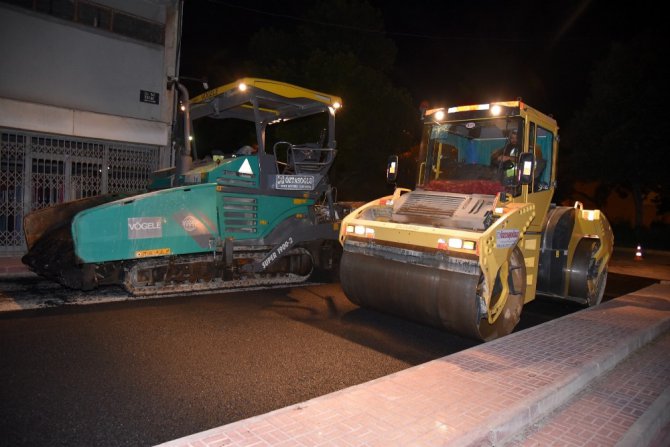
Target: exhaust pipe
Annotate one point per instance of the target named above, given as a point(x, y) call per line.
point(185, 159)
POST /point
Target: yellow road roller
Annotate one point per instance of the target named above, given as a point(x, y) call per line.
point(479, 235)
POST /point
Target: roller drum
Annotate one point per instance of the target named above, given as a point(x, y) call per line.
point(437, 297)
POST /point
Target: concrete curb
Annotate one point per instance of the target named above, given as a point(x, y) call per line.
point(649, 425)
point(16, 275)
point(11, 267)
point(536, 408)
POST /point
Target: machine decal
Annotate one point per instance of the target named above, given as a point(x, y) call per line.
point(195, 228)
point(245, 168)
point(145, 227)
point(149, 253)
point(189, 223)
point(506, 238)
point(274, 254)
point(295, 182)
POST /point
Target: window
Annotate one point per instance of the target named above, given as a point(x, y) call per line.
point(22, 3)
point(93, 15)
point(96, 16)
point(137, 28)
point(544, 147)
point(63, 9)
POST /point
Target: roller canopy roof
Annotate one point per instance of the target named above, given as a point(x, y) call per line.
point(275, 100)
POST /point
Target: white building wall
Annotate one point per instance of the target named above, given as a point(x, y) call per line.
point(72, 123)
point(58, 63)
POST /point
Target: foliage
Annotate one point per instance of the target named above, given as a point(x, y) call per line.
point(354, 61)
point(618, 138)
point(656, 236)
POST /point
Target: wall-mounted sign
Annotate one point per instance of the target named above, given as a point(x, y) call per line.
point(150, 97)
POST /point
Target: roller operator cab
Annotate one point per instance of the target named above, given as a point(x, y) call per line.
point(478, 237)
point(256, 218)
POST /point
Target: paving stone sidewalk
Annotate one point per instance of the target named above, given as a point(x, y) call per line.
point(625, 407)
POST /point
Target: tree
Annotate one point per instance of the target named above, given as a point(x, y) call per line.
point(618, 137)
point(340, 48)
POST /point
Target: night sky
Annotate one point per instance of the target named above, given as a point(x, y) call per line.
point(448, 52)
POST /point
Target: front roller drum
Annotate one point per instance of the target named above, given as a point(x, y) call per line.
point(587, 278)
point(441, 298)
point(509, 300)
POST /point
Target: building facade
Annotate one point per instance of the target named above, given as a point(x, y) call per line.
point(86, 106)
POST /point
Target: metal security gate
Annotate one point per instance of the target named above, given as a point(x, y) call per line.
point(37, 171)
point(12, 159)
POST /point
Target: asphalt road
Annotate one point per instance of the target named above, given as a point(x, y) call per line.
point(135, 373)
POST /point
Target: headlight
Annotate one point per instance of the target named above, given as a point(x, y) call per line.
point(591, 214)
point(457, 243)
point(361, 230)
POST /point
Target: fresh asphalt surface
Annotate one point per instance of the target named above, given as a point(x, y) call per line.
point(138, 373)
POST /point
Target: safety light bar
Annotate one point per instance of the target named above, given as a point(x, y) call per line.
point(495, 107)
point(468, 108)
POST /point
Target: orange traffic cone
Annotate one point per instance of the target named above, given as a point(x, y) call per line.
point(638, 253)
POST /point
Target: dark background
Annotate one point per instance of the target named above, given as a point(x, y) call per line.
point(598, 67)
point(447, 52)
